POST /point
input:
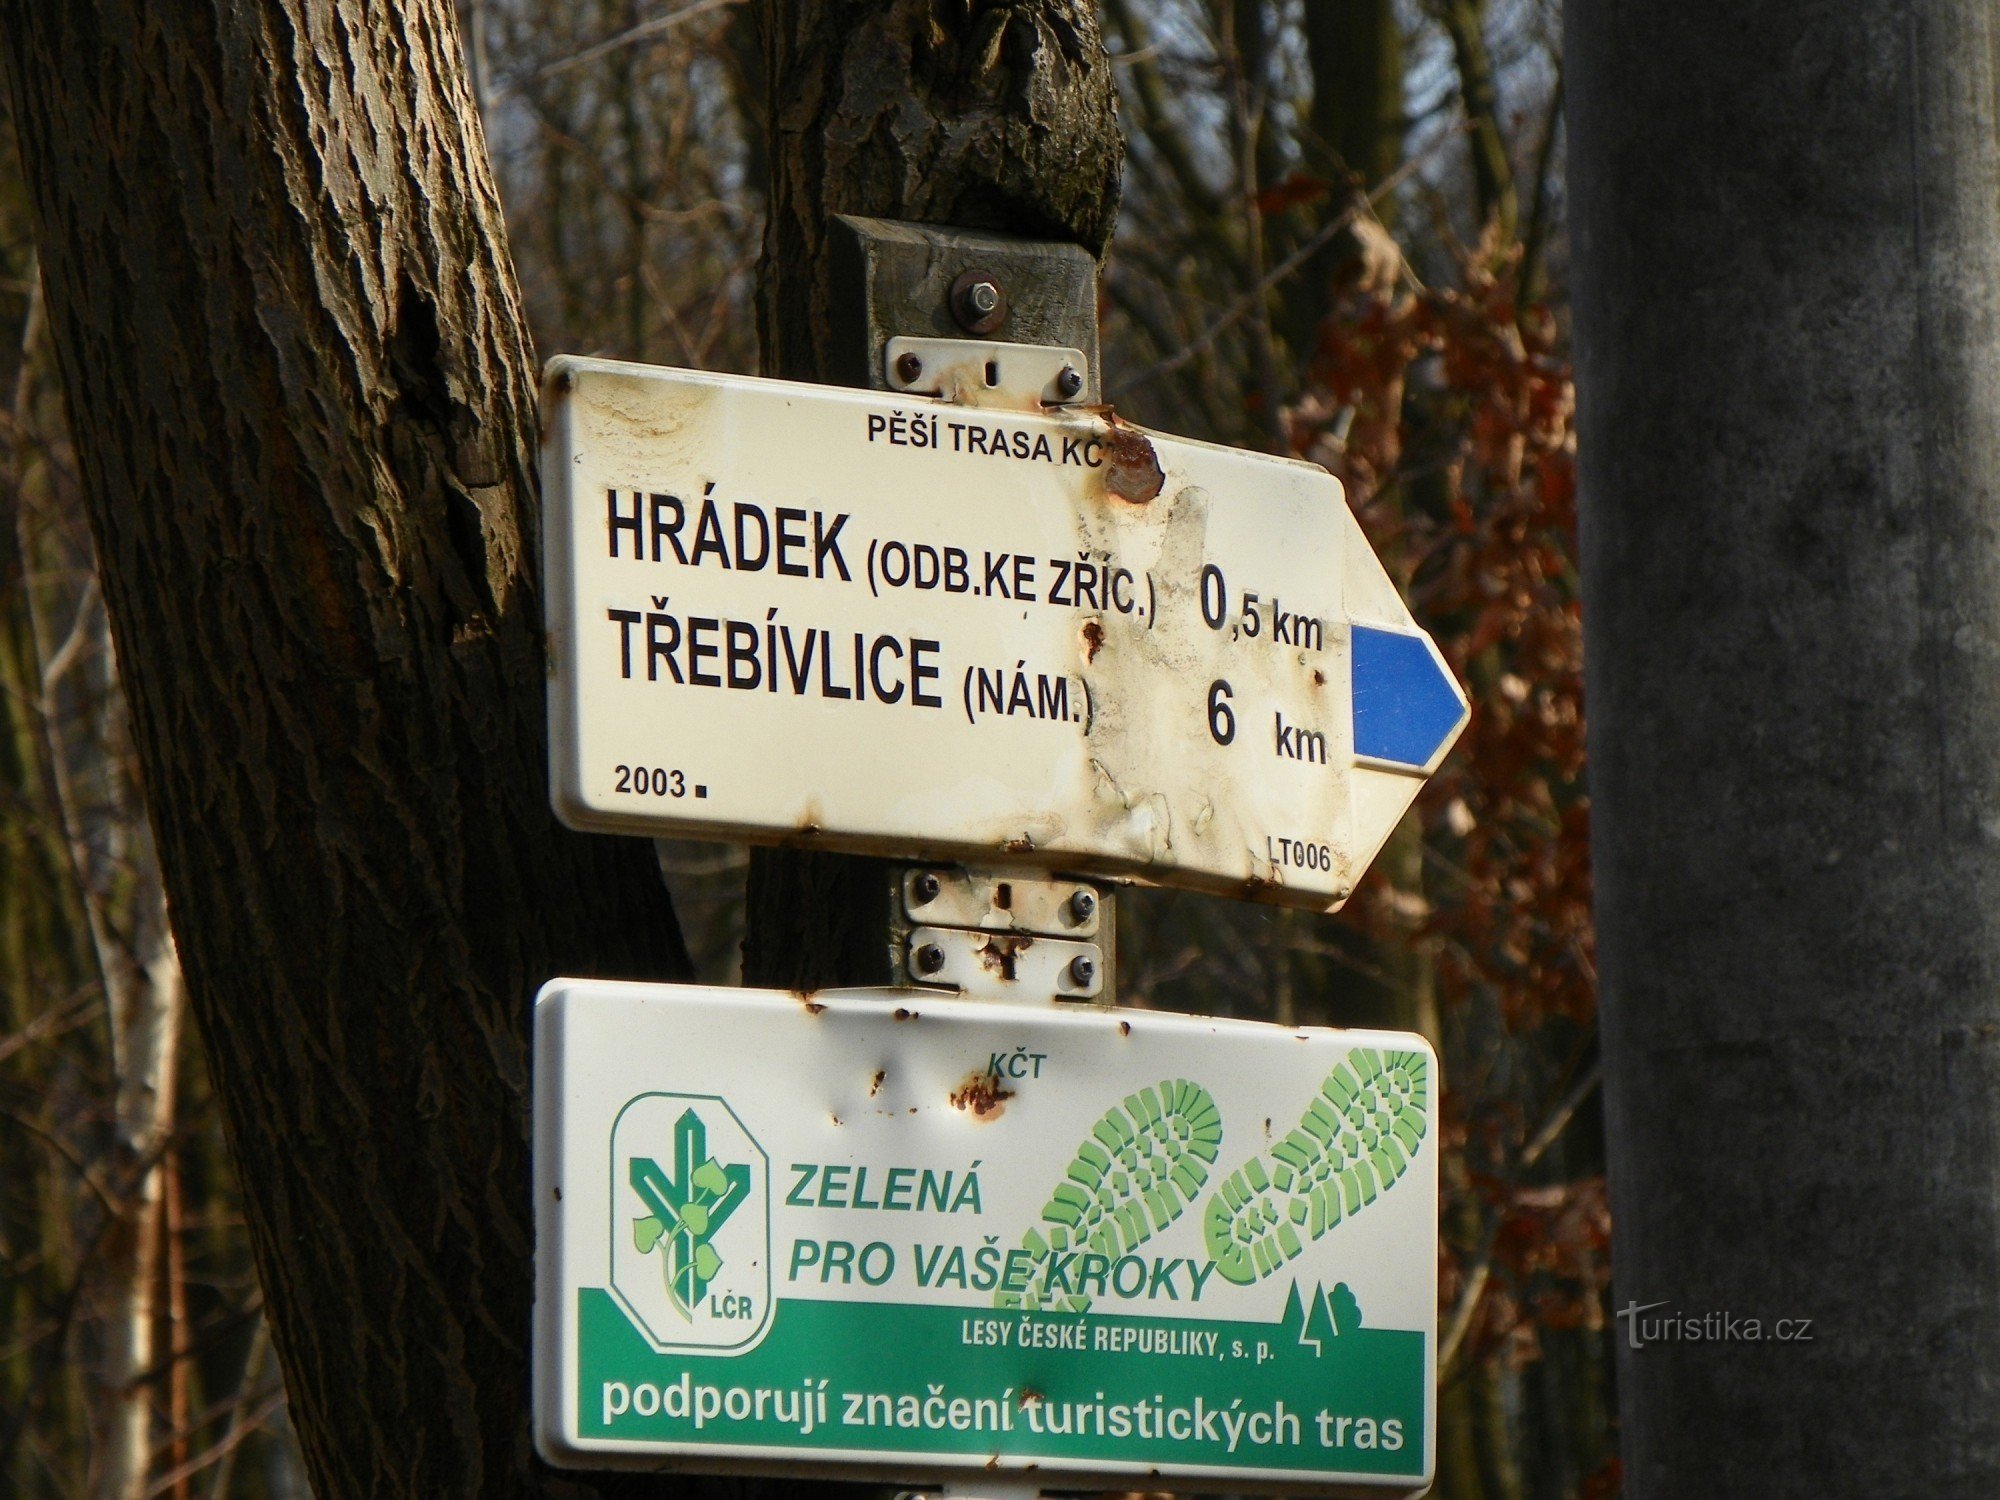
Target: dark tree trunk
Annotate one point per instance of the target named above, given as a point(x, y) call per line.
point(1354, 138)
point(1355, 49)
point(303, 401)
point(941, 112)
point(1492, 173)
point(1788, 332)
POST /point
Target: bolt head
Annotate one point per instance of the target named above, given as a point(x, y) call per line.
point(977, 302)
point(925, 887)
point(1068, 383)
point(1082, 905)
point(1082, 971)
point(930, 958)
point(909, 367)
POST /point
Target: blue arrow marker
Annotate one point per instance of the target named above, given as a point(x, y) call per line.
point(1405, 705)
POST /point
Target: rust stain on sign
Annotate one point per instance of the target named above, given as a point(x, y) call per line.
point(981, 1093)
point(1093, 639)
point(1001, 952)
point(1132, 469)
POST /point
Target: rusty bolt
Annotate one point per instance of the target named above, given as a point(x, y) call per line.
point(1082, 971)
point(1068, 383)
point(1081, 905)
point(925, 887)
point(908, 368)
point(930, 958)
point(978, 303)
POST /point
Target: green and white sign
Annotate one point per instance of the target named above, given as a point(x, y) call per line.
point(905, 1235)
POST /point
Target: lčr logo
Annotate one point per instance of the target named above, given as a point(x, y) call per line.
point(690, 1253)
point(688, 1209)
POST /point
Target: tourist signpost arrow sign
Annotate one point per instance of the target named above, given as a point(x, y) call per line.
point(787, 613)
point(982, 1239)
point(906, 1234)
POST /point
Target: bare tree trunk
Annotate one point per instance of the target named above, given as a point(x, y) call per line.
point(1247, 46)
point(149, 1037)
point(1492, 172)
point(79, 706)
point(1788, 333)
point(303, 402)
point(1354, 138)
point(145, 1005)
point(995, 117)
point(1355, 48)
point(52, 988)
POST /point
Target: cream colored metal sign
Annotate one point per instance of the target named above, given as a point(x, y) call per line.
point(797, 614)
point(975, 1239)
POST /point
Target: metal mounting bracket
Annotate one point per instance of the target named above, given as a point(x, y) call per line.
point(944, 896)
point(1005, 965)
point(974, 372)
point(999, 321)
point(891, 279)
point(996, 935)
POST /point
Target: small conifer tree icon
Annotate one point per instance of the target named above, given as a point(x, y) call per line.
point(687, 1210)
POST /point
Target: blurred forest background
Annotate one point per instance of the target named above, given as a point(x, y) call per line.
point(1342, 237)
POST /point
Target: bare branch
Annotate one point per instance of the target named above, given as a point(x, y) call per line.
point(644, 31)
point(1250, 300)
point(1477, 1280)
point(1534, 241)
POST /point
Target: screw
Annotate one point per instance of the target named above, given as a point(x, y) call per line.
point(1082, 971)
point(977, 302)
point(930, 958)
point(1081, 906)
point(925, 887)
point(908, 368)
point(1068, 384)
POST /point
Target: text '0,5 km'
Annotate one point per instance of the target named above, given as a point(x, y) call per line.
point(797, 614)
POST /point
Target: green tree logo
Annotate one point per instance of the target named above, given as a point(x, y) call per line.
point(1333, 1315)
point(687, 1210)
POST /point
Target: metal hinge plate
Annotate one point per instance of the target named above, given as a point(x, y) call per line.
point(1004, 965)
point(975, 372)
point(941, 896)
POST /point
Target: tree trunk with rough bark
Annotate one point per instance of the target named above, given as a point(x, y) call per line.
point(303, 400)
point(997, 117)
point(1788, 351)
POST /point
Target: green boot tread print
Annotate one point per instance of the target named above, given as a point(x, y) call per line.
point(1147, 1158)
point(1142, 1164)
point(1351, 1146)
